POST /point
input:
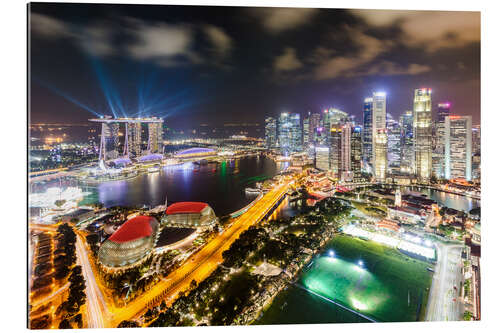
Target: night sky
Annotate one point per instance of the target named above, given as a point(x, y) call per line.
point(213, 65)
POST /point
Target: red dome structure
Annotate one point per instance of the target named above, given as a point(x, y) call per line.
point(186, 207)
point(131, 243)
point(189, 214)
point(137, 227)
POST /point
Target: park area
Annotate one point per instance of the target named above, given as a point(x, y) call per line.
point(373, 279)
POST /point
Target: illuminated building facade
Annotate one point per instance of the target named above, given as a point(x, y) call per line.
point(134, 139)
point(367, 130)
point(356, 152)
point(351, 152)
point(336, 150)
point(109, 148)
point(476, 139)
point(289, 133)
point(458, 147)
point(189, 215)
point(270, 132)
point(407, 149)
point(109, 141)
point(422, 133)
point(155, 141)
point(345, 149)
point(314, 124)
point(130, 244)
point(438, 151)
point(322, 158)
point(393, 144)
point(380, 155)
point(306, 131)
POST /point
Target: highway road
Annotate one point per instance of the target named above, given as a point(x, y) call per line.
point(201, 264)
point(444, 302)
point(96, 309)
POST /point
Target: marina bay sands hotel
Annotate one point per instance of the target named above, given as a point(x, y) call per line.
point(109, 148)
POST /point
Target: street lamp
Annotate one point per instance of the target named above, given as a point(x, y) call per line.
point(360, 263)
point(331, 253)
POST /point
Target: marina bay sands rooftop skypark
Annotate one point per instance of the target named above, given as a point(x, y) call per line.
point(109, 119)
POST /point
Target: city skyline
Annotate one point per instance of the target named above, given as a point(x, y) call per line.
point(226, 166)
point(215, 64)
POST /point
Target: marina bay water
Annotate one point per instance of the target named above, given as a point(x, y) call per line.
point(221, 185)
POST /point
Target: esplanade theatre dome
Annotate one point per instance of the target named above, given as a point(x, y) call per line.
point(133, 241)
point(189, 215)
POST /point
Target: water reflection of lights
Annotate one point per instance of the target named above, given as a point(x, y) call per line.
point(279, 210)
point(107, 190)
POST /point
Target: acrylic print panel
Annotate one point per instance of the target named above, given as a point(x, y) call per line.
point(197, 165)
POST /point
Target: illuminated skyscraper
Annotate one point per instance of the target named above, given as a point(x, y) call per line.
point(379, 128)
point(393, 144)
point(111, 140)
point(322, 158)
point(305, 131)
point(336, 150)
point(270, 132)
point(350, 156)
point(289, 133)
point(422, 133)
point(458, 147)
point(134, 139)
point(407, 149)
point(476, 139)
point(314, 124)
point(296, 131)
point(367, 130)
point(155, 140)
point(345, 150)
point(356, 152)
point(380, 155)
point(379, 112)
point(438, 151)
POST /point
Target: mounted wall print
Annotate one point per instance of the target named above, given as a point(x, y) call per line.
point(210, 165)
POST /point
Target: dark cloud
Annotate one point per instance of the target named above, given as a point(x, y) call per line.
point(249, 62)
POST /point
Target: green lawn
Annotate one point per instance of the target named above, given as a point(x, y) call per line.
point(380, 289)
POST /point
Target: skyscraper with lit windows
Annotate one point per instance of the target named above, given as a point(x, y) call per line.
point(270, 132)
point(458, 147)
point(443, 111)
point(336, 150)
point(305, 131)
point(393, 144)
point(407, 149)
point(356, 152)
point(134, 139)
point(289, 133)
point(422, 133)
point(367, 130)
point(155, 142)
point(314, 124)
point(380, 155)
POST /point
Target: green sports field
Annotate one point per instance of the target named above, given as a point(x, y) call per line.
point(389, 287)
